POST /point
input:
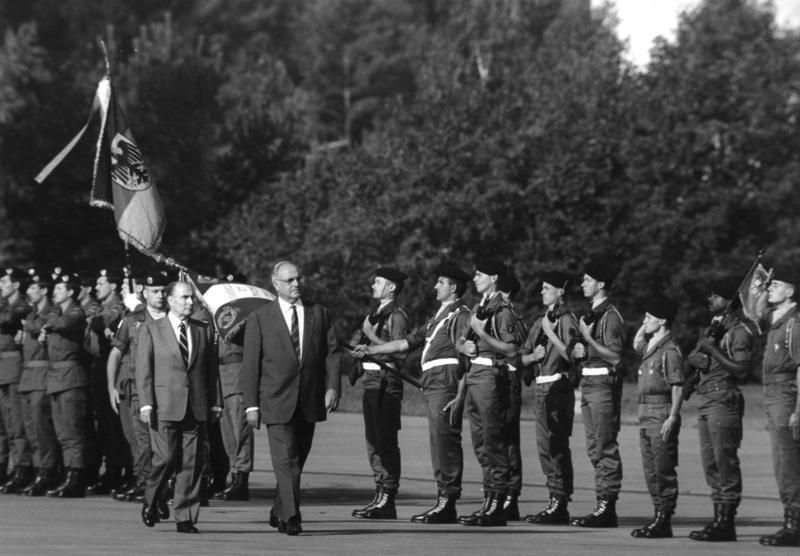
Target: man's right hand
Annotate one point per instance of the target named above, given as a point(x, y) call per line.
point(146, 415)
point(113, 397)
point(254, 419)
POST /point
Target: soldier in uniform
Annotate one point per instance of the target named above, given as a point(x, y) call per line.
point(36, 404)
point(508, 285)
point(383, 394)
point(600, 347)
point(68, 382)
point(720, 406)
point(660, 398)
point(237, 434)
point(101, 325)
point(546, 351)
point(780, 380)
point(443, 387)
point(121, 378)
point(14, 309)
point(488, 344)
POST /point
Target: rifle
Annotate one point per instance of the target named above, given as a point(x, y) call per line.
point(714, 331)
point(384, 366)
point(472, 336)
point(356, 371)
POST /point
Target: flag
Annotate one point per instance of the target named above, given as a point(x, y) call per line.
point(228, 303)
point(120, 180)
point(752, 289)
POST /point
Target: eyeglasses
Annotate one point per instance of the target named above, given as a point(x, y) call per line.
point(294, 279)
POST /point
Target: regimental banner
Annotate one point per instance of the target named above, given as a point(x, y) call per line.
point(231, 304)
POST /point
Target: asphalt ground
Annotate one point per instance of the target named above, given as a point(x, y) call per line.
point(337, 479)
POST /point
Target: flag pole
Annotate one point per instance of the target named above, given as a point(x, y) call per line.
point(102, 44)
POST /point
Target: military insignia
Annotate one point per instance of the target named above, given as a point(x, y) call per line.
point(226, 317)
point(127, 166)
point(104, 273)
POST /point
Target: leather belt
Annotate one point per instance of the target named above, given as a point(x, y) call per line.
point(65, 364)
point(35, 364)
point(485, 361)
point(595, 371)
point(655, 398)
point(370, 366)
point(716, 386)
point(772, 378)
point(549, 378)
point(10, 355)
point(428, 365)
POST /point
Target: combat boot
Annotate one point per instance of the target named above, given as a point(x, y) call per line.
point(3, 472)
point(722, 528)
point(788, 535)
point(108, 482)
point(511, 508)
point(555, 513)
point(443, 512)
point(384, 507)
point(239, 490)
point(72, 487)
point(467, 519)
point(23, 474)
point(359, 512)
point(603, 515)
point(659, 528)
point(47, 479)
point(491, 516)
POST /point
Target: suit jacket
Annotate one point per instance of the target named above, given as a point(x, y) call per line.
point(272, 378)
point(165, 383)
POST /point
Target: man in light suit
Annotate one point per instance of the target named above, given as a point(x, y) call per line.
point(178, 383)
point(289, 379)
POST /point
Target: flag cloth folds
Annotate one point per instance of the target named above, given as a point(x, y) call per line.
point(753, 288)
point(120, 180)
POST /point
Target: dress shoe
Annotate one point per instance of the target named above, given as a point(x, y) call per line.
point(293, 527)
point(162, 509)
point(277, 523)
point(186, 527)
point(238, 490)
point(149, 516)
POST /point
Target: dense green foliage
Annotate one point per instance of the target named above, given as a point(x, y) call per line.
point(353, 133)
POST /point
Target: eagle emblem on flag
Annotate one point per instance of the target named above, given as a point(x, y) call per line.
point(127, 165)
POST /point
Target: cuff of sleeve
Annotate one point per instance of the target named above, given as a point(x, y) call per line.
point(145, 408)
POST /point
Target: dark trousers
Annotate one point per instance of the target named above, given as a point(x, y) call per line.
point(178, 448)
point(659, 460)
point(38, 420)
point(600, 405)
point(555, 413)
point(513, 438)
point(70, 420)
point(137, 433)
point(11, 410)
point(447, 455)
point(719, 424)
point(381, 424)
point(111, 443)
point(289, 445)
point(237, 435)
point(485, 409)
point(785, 453)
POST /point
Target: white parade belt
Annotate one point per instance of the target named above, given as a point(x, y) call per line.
point(547, 379)
point(485, 361)
point(439, 363)
point(370, 366)
point(595, 371)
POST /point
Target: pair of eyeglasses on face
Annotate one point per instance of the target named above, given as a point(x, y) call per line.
point(292, 280)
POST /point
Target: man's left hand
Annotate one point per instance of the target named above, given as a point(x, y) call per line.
point(331, 400)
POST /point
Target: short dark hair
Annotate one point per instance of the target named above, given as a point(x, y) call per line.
point(172, 285)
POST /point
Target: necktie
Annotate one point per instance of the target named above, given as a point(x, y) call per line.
point(183, 343)
point(295, 331)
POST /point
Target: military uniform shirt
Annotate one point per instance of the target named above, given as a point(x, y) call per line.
point(609, 331)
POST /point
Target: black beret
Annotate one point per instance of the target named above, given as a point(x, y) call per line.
point(110, 275)
point(71, 279)
point(396, 276)
point(15, 274)
point(602, 270)
point(452, 271)
point(235, 277)
point(556, 278)
point(662, 308)
point(39, 278)
point(491, 266)
point(156, 278)
point(724, 287)
point(508, 283)
point(786, 272)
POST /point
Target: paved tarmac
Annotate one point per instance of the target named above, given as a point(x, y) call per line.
point(337, 480)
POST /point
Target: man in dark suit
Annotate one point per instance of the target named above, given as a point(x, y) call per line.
point(178, 384)
point(289, 379)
